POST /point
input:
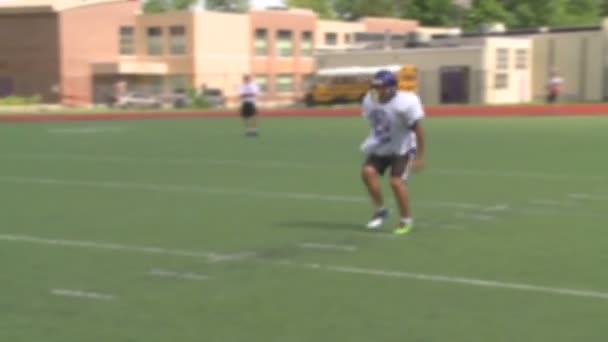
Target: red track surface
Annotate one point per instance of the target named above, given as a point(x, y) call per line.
point(456, 111)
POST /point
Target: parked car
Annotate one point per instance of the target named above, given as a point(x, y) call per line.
point(138, 100)
point(214, 97)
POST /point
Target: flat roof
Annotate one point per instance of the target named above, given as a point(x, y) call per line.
point(44, 6)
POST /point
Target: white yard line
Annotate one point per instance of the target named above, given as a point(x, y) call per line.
point(371, 272)
point(590, 197)
point(86, 130)
point(82, 294)
point(177, 275)
point(118, 185)
point(210, 256)
point(294, 165)
point(325, 246)
point(437, 278)
point(552, 203)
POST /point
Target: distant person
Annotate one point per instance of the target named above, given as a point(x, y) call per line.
point(120, 90)
point(554, 87)
point(249, 91)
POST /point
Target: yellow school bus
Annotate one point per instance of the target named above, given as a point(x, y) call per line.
point(350, 84)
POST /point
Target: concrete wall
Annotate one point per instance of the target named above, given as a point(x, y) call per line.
point(222, 50)
point(577, 57)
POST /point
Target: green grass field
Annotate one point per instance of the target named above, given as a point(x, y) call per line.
point(184, 230)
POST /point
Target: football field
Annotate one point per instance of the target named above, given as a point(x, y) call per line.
point(187, 231)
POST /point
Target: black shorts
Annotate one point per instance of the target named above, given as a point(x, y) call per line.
point(552, 98)
point(248, 110)
point(399, 164)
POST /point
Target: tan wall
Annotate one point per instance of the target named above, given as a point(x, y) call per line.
point(340, 28)
point(428, 62)
point(222, 50)
point(372, 24)
point(577, 57)
point(519, 80)
point(29, 53)
point(297, 21)
point(88, 35)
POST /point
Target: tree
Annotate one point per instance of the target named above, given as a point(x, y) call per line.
point(156, 6)
point(431, 12)
point(321, 7)
point(238, 6)
point(486, 11)
point(355, 9)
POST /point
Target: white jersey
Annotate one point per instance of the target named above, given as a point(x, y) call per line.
point(392, 124)
point(251, 89)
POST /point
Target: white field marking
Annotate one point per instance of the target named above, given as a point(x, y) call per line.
point(590, 197)
point(161, 160)
point(177, 275)
point(552, 203)
point(293, 165)
point(86, 130)
point(373, 233)
point(210, 256)
point(325, 246)
point(517, 174)
point(440, 226)
point(437, 278)
point(219, 191)
point(361, 271)
point(82, 294)
point(479, 217)
point(497, 208)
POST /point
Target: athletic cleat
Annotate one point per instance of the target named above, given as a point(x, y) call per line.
point(378, 219)
point(403, 229)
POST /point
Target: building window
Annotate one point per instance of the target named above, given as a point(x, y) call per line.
point(177, 40)
point(285, 83)
point(501, 81)
point(347, 38)
point(157, 84)
point(331, 38)
point(127, 40)
point(308, 81)
point(179, 82)
point(262, 82)
point(284, 43)
point(307, 43)
point(261, 42)
point(155, 41)
point(502, 59)
point(521, 59)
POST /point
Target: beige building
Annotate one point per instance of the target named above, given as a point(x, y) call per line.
point(47, 47)
point(509, 67)
point(482, 70)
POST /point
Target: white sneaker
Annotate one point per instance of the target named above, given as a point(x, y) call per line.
point(378, 219)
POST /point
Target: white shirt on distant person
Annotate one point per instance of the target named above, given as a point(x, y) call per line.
point(391, 124)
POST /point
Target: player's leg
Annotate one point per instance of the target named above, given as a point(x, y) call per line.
point(399, 169)
point(372, 168)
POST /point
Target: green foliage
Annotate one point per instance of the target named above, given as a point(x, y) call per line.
point(321, 7)
point(196, 99)
point(20, 100)
point(158, 6)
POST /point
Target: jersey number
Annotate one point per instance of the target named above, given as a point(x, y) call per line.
point(381, 125)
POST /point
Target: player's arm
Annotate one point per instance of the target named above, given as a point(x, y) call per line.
point(420, 142)
point(415, 114)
